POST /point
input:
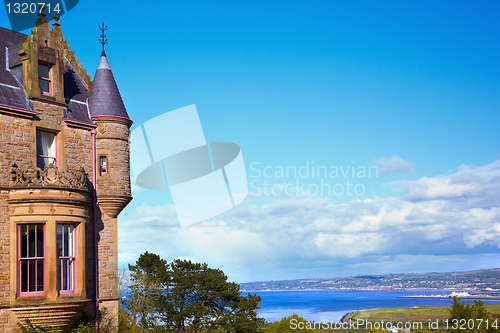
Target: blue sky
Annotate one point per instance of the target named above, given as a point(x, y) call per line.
point(411, 88)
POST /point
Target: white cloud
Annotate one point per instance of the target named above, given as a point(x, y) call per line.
point(466, 183)
point(454, 216)
point(394, 164)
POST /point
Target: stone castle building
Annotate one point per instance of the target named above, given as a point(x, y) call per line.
point(64, 178)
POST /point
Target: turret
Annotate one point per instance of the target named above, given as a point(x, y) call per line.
point(112, 179)
point(112, 141)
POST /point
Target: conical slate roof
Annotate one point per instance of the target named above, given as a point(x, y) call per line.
point(104, 96)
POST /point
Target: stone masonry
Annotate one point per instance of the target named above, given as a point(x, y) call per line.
point(80, 113)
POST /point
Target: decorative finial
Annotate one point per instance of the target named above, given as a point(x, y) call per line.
point(56, 18)
point(41, 8)
point(56, 30)
point(103, 39)
point(41, 15)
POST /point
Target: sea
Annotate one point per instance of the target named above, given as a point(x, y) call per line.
point(332, 305)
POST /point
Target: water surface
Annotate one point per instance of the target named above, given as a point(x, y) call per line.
point(331, 305)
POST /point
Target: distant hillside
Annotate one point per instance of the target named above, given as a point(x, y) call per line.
point(483, 279)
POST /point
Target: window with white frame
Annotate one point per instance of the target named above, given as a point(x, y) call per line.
point(66, 259)
point(46, 149)
point(31, 259)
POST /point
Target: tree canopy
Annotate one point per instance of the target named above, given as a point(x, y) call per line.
point(184, 296)
point(467, 317)
point(291, 324)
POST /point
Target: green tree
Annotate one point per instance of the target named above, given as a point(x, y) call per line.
point(290, 324)
point(246, 318)
point(471, 317)
point(200, 298)
point(144, 291)
point(187, 297)
point(124, 320)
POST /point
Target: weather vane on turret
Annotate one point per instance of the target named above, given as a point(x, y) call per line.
point(103, 39)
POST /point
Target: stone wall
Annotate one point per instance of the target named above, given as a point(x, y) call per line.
point(4, 250)
point(48, 113)
point(113, 193)
point(78, 147)
point(8, 321)
point(108, 257)
point(16, 145)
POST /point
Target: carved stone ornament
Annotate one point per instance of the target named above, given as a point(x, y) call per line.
point(103, 128)
point(50, 175)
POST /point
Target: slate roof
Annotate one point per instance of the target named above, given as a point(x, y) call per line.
point(104, 96)
point(75, 93)
point(12, 92)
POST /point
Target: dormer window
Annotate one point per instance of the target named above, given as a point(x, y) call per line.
point(45, 79)
point(46, 150)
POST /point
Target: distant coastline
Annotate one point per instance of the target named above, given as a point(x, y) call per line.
point(326, 298)
point(444, 296)
point(483, 280)
point(483, 295)
point(352, 289)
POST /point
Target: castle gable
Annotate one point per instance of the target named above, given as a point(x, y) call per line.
point(12, 90)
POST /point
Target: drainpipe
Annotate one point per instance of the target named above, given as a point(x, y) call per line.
point(95, 204)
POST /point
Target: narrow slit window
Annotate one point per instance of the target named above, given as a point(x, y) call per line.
point(44, 80)
point(46, 149)
point(103, 162)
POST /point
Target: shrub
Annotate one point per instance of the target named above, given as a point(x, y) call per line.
point(292, 324)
